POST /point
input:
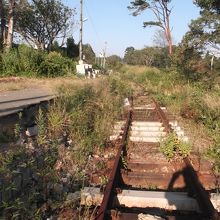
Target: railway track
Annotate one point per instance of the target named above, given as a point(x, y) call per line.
point(143, 184)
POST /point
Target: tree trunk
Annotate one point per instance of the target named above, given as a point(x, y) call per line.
point(168, 31)
point(3, 24)
point(9, 39)
point(170, 45)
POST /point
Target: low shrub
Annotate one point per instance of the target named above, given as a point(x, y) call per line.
point(86, 115)
point(119, 86)
point(213, 154)
point(26, 61)
point(55, 64)
point(172, 147)
point(25, 179)
point(21, 61)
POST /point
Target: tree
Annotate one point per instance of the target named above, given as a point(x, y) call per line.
point(10, 31)
point(114, 61)
point(40, 22)
point(7, 11)
point(72, 49)
point(149, 56)
point(211, 5)
point(160, 39)
point(88, 53)
point(161, 11)
point(204, 32)
point(128, 57)
point(3, 23)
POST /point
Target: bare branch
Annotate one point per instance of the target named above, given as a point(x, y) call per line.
point(161, 11)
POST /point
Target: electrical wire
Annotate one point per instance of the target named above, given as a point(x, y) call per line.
point(94, 28)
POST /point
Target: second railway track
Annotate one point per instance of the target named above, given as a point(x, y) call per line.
point(143, 184)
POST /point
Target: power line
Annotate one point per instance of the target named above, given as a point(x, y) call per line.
point(94, 28)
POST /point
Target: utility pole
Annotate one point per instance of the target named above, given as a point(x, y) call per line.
point(81, 31)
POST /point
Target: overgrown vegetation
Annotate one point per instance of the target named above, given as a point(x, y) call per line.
point(87, 114)
point(24, 60)
point(195, 102)
point(32, 172)
point(149, 56)
point(74, 126)
point(172, 147)
point(213, 154)
point(79, 121)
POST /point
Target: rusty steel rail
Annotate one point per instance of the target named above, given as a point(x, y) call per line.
point(109, 190)
point(163, 117)
point(196, 188)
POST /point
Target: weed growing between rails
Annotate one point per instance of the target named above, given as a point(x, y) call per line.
point(173, 148)
point(196, 104)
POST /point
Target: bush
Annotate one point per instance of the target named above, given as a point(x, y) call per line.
point(55, 64)
point(196, 109)
point(24, 60)
point(189, 62)
point(120, 87)
point(86, 114)
point(21, 61)
point(172, 147)
point(213, 154)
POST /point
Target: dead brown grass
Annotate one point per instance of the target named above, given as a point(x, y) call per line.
point(213, 101)
point(50, 84)
point(138, 69)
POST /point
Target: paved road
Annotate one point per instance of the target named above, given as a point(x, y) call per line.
point(15, 101)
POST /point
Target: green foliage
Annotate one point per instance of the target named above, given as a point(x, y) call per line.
point(41, 124)
point(119, 87)
point(212, 5)
point(21, 60)
point(103, 180)
point(213, 154)
point(152, 23)
point(100, 165)
point(202, 38)
point(55, 47)
point(85, 114)
point(89, 53)
point(41, 22)
point(22, 205)
point(203, 34)
point(203, 31)
point(72, 49)
point(149, 56)
point(56, 65)
point(196, 109)
point(114, 62)
point(29, 62)
point(189, 62)
point(172, 147)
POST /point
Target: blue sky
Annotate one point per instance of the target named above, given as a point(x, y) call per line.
point(110, 21)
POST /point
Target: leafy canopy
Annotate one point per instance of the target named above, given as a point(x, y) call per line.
point(40, 22)
point(204, 32)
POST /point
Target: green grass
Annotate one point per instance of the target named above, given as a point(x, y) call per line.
point(196, 102)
